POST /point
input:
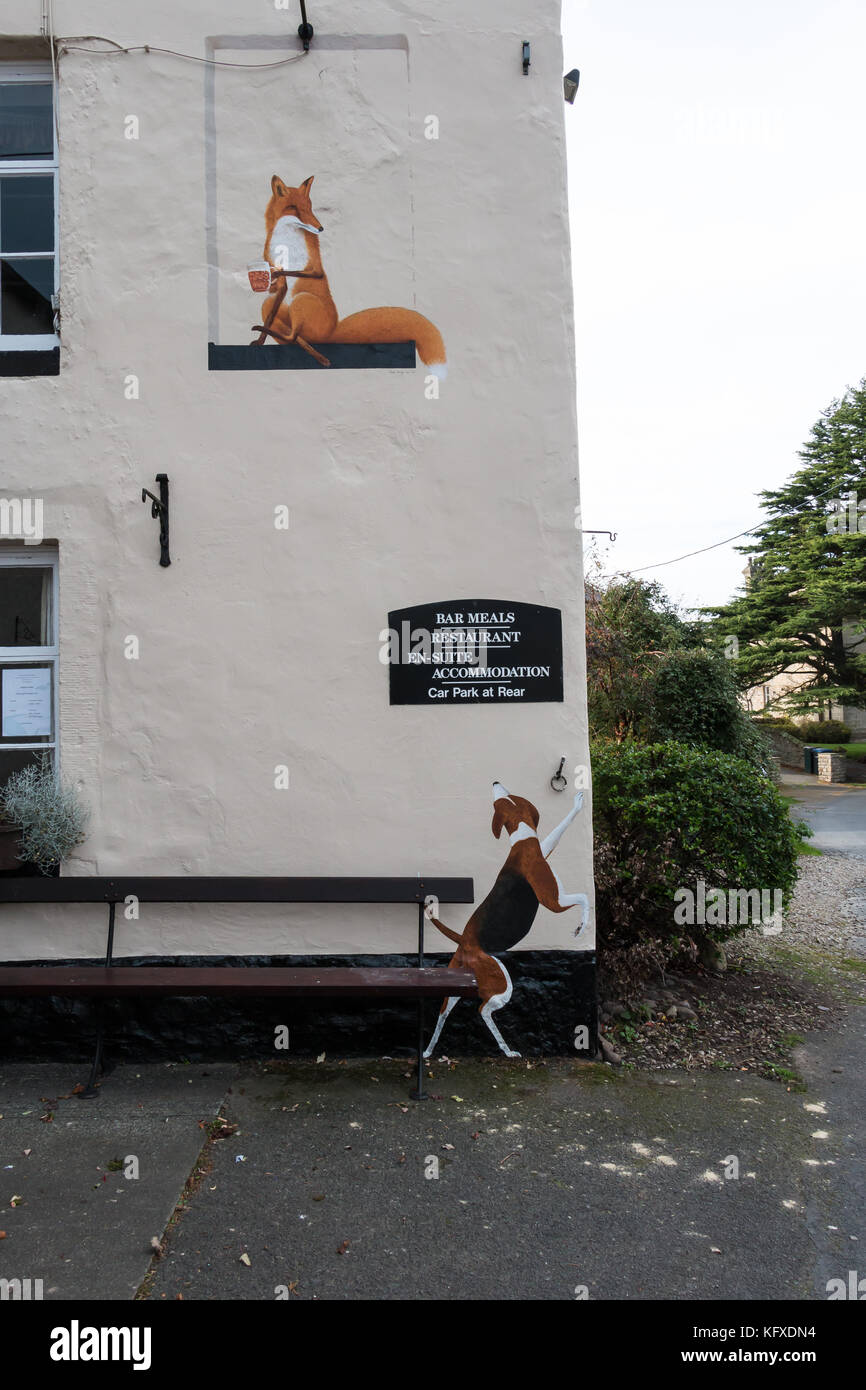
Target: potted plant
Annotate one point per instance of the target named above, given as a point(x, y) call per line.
point(41, 818)
point(10, 843)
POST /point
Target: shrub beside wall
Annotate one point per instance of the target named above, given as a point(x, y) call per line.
point(667, 815)
point(823, 731)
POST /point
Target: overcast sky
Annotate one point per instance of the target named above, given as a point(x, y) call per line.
point(718, 220)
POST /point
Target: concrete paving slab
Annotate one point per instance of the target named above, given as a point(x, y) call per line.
point(552, 1178)
point(83, 1229)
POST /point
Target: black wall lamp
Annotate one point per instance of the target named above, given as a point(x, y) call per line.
point(570, 84)
point(159, 507)
point(525, 58)
point(305, 30)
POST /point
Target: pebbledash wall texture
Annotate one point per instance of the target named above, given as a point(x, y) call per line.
point(335, 476)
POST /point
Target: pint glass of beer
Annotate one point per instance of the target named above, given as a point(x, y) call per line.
point(260, 276)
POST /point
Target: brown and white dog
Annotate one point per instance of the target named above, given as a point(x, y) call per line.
point(507, 913)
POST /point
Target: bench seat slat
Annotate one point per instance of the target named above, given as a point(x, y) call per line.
point(81, 981)
point(197, 888)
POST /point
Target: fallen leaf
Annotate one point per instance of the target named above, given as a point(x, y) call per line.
point(476, 1134)
point(319, 1197)
point(457, 1098)
point(321, 1057)
point(2, 1235)
point(16, 1201)
point(448, 1146)
point(47, 1117)
point(343, 1249)
point(245, 1259)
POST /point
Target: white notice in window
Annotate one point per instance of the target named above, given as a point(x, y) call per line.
point(26, 701)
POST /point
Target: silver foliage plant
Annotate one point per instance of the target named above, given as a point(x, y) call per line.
point(51, 816)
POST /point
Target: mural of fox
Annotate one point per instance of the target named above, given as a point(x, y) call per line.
point(308, 314)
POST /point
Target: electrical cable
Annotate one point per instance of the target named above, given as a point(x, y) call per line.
point(661, 564)
point(74, 44)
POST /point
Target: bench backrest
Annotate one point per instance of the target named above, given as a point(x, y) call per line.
point(194, 888)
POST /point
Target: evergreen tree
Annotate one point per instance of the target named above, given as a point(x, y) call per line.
point(804, 602)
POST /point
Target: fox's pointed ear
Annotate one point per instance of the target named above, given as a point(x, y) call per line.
point(278, 188)
point(306, 184)
point(498, 822)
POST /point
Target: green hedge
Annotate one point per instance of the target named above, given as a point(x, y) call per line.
point(666, 815)
point(824, 731)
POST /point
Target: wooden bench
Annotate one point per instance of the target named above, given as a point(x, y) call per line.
point(418, 982)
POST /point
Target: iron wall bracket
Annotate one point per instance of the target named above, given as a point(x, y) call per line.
point(159, 508)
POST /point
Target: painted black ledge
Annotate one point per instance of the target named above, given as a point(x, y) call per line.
point(290, 357)
point(554, 992)
point(31, 362)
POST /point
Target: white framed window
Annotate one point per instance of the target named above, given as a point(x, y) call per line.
point(28, 656)
point(28, 207)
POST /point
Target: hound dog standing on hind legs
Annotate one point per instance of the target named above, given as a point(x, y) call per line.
point(507, 913)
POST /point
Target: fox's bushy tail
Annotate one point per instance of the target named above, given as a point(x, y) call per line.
point(389, 325)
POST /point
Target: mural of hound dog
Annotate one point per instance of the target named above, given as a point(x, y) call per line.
point(507, 913)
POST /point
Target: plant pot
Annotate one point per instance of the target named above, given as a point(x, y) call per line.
point(10, 847)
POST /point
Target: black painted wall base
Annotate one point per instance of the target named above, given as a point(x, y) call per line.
point(554, 993)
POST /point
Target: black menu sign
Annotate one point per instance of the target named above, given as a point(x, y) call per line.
point(474, 652)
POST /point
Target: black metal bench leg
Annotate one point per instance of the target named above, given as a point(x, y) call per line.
point(418, 1093)
point(91, 1091)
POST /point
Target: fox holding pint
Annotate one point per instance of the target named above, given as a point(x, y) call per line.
point(309, 315)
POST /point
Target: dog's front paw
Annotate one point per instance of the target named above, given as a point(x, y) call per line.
point(509, 1053)
point(578, 800)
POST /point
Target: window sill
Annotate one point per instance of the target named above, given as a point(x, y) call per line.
point(30, 362)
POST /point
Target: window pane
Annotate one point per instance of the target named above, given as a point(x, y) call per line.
point(13, 759)
point(27, 214)
point(26, 288)
point(25, 597)
point(27, 704)
point(26, 120)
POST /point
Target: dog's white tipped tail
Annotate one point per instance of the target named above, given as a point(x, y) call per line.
point(439, 369)
point(446, 931)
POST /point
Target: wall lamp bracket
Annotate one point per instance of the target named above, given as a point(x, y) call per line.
point(612, 534)
point(525, 58)
point(159, 508)
point(305, 30)
point(570, 84)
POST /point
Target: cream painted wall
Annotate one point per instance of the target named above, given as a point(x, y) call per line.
point(260, 647)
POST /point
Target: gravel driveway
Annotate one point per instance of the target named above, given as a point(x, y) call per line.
point(829, 906)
